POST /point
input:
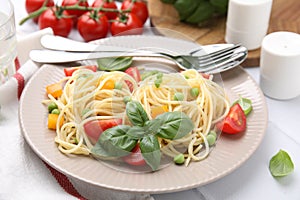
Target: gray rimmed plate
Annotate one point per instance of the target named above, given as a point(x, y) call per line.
point(230, 152)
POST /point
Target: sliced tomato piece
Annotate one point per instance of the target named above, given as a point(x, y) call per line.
point(234, 122)
point(135, 158)
point(204, 75)
point(135, 74)
point(70, 70)
point(94, 128)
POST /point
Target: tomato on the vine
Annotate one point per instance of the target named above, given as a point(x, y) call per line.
point(93, 25)
point(56, 19)
point(75, 13)
point(137, 7)
point(109, 4)
point(33, 5)
point(126, 24)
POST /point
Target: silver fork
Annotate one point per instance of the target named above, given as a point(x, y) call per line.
point(214, 62)
point(217, 61)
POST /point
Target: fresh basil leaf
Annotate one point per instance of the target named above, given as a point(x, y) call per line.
point(136, 132)
point(151, 127)
point(150, 149)
point(148, 74)
point(175, 125)
point(281, 164)
point(114, 64)
point(114, 142)
point(136, 113)
point(157, 82)
point(246, 104)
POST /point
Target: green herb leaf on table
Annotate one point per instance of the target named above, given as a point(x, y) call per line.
point(281, 164)
point(114, 64)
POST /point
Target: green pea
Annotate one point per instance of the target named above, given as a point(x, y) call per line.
point(211, 139)
point(126, 99)
point(55, 111)
point(179, 159)
point(195, 92)
point(178, 96)
point(52, 106)
point(186, 77)
point(118, 86)
point(212, 132)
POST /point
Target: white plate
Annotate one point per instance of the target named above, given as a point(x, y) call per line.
point(229, 153)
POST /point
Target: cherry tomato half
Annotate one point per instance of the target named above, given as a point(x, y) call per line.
point(137, 7)
point(135, 158)
point(61, 26)
point(110, 4)
point(70, 70)
point(135, 74)
point(93, 26)
point(234, 122)
point(127, 24)
point(93, 129)
point(33, 5)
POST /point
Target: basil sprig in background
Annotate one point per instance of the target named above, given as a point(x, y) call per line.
point(120, 140)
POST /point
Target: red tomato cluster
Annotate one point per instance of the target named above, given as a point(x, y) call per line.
point(92, 21)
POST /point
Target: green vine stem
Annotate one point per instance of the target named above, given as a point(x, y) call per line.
point(72, 7)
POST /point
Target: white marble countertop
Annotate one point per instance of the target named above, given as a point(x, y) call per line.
point(24, 176)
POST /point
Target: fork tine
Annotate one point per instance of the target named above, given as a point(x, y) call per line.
point(219, 52)
point(213, 61)
point(223, 64)
point(220, 58)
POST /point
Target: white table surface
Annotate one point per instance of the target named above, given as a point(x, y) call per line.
point(24, 176)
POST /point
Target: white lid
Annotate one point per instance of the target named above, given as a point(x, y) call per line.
point(282, 43)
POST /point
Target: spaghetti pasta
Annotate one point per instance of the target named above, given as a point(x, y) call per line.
point(89, 96)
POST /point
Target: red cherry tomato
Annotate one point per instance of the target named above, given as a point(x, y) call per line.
point(93, 26)
point(204, 75)
point(110, 4)
point(33, 5)
point(75, 13)
point(137, 7)
point(234, 122)
point(134, 73)
point(135, 158)
point(70, 70)
point(127, 24)
point(93, 129)
point(61, 26)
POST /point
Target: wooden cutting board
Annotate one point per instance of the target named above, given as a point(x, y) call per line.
point(285, 16)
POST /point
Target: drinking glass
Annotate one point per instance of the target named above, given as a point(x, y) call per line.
point(8, 42)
